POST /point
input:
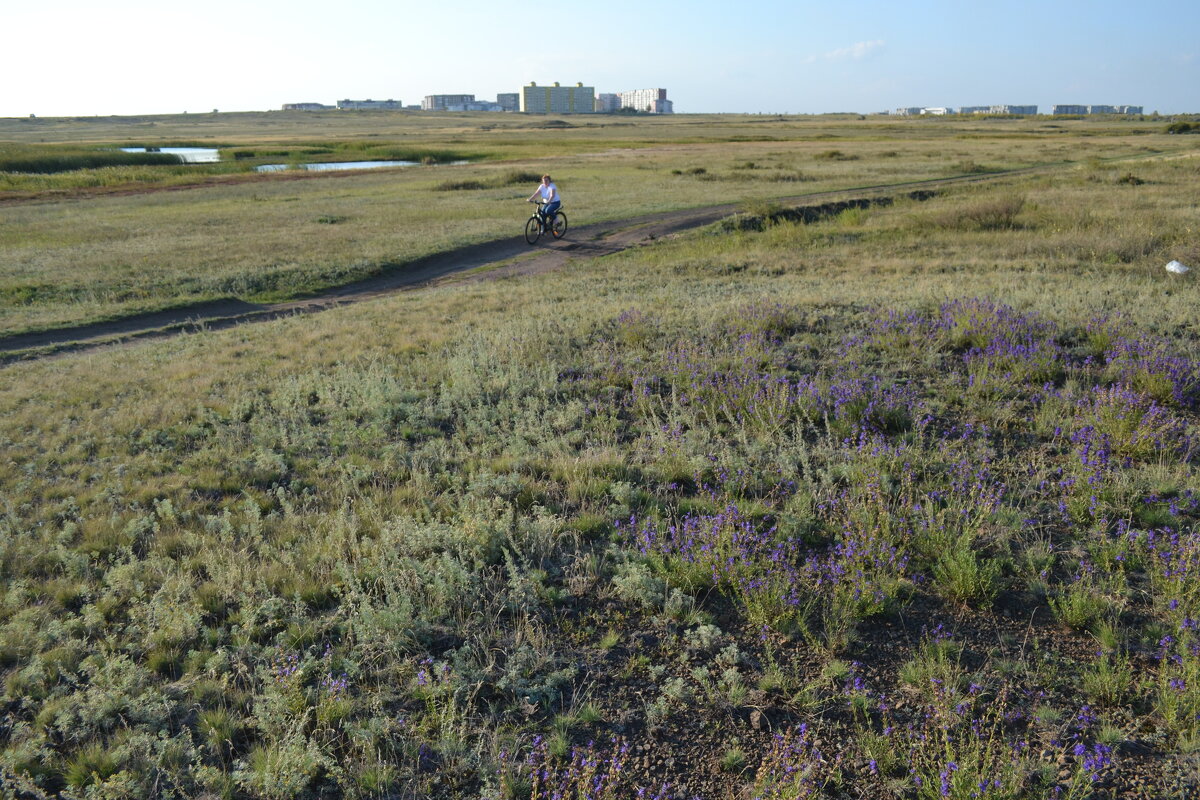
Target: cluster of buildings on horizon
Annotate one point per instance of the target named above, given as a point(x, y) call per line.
point(532, 99)
point(914, 111)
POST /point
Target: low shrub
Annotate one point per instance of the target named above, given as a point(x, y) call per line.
point(1184, 127)
point(992, 214)
point(835, 155)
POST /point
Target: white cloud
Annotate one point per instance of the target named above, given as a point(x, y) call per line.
point(855, 52)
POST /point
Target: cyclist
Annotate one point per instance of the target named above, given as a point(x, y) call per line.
point(551, 200)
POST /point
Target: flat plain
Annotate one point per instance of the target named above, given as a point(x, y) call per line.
point(895, 500)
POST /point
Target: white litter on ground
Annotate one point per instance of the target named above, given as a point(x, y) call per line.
point(1177, 268)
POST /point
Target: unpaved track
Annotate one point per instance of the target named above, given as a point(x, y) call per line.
point(584, 241)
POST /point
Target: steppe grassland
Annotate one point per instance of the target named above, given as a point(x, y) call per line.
point(72, 261)
point(366, 551)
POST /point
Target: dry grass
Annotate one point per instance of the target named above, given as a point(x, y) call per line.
point(208, 505)
point(71, 261)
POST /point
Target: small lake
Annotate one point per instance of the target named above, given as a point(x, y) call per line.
point(209, 155)
point(189, 155)
point(329, 166)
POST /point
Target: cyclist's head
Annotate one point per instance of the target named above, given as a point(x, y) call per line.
point(545, 179)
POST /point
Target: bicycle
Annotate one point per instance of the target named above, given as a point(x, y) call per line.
point(536, 225)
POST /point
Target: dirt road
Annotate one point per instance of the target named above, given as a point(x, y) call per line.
point(583, 241)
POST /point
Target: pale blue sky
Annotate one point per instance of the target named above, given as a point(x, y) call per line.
point(82, 57)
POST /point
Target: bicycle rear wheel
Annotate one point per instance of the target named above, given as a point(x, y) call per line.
point(533, 229)
point(560, 226)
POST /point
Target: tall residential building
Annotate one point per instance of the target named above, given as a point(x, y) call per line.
point(1023, 110)
point(440, 102)
point(607, 103)
point(1097, 109)
point(556, 99)
point(509, 101)
point(653, 101)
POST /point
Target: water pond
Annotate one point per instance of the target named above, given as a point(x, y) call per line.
point(189, 155)
point(207, 155)
point(329, 166)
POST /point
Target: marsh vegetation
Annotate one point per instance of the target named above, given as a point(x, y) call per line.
point(898, 502)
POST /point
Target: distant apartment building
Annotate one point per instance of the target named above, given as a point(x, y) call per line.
point(370, 105)
point(442, 102)
point(474, 105)
point(606, 103)
point(306, 107)
point(557, 99)
point(509, 101)
point(1002, 109)
point(1097, 109)
point(937, 111)
point(652, 101)
point(909, 111)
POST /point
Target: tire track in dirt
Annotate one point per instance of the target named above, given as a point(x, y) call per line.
point(585, 241)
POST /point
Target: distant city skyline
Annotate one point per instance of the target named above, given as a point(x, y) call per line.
point(127, 57)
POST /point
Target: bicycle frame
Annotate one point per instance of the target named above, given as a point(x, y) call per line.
point(538, 224)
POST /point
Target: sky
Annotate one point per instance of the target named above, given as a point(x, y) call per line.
point(132, 57)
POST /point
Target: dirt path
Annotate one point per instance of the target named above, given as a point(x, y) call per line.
point(583, 241)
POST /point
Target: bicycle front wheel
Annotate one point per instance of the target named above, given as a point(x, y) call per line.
point(560, 226)
point(533, 229)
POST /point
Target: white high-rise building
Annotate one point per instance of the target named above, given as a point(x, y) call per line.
point(1000, 109)
point(442, 102)
point(652, 101)
point(1097, 109)
point(606, 103)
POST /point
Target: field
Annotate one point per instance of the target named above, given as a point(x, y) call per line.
point(900, 501)
point(149, 246)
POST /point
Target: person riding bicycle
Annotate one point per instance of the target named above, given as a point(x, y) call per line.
point(551, 200)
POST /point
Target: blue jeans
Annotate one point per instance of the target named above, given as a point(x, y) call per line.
point(548, 211)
